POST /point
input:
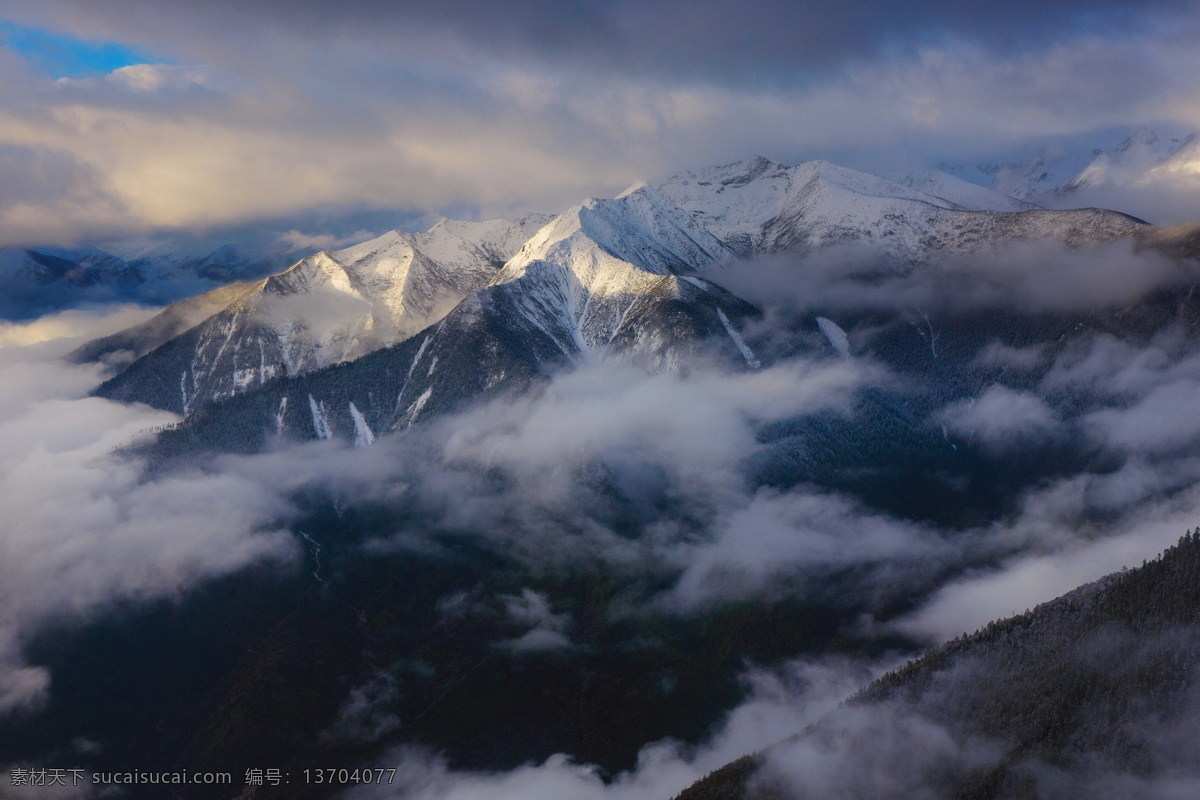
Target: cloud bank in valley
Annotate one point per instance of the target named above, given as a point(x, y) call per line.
point(81, 527)
point(599, 449)
point(779, 702)
point(1025, 276)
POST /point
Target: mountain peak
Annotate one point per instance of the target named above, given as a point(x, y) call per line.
point(641, 229)
point(633, 187)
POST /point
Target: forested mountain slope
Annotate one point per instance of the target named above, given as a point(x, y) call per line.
point(1091, 695)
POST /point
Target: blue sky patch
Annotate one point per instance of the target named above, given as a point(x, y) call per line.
point(64, 56)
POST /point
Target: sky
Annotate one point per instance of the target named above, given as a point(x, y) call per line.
point(129, 117)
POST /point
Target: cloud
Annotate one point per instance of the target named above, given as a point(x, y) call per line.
point(1110, 367)
point(1149, 388)
point(1160, 422)
point(546, 630)
point(762, 548)
point(886, 751)
point(665, 36)
point(82, 528)
point(432, 107)
point(1021, 359)
point(1062, 544)
point(363, 717)
point(296, 240)
point(641, 424)
point(1026, 276)
point(778, 704)
point(1001, 419)
point(69, 328)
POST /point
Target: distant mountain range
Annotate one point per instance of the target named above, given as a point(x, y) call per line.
point(39, 280)
point(472, 308)
point(166, 268)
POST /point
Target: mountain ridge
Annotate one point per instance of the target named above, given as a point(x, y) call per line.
point(631, 277)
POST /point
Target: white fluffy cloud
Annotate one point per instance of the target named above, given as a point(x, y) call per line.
point(82, 527)
point(756, 549)
point(1001, 419)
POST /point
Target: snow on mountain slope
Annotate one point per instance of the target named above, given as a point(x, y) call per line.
point(748, 203)
point(601, 278)
point(580, 275)
point(963, 193)
point(325, 309)
point(760, 207)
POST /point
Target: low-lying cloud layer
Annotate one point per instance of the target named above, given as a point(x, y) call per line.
point(81, 528)
point(1027, 276)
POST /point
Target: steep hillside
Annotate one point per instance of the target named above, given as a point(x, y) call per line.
point(1092, 693)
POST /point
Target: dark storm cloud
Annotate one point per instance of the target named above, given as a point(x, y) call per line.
point(707, 40)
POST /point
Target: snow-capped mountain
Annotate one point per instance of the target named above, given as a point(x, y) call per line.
point(40, 278)
point(176, 319)
point(82, 267)
point(759, 207)
point(579, 278)
point(325, 309)
point(208, 258)
point(1030, 179)
point(1064, 176)
point(605, 276)
point(421, 322)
